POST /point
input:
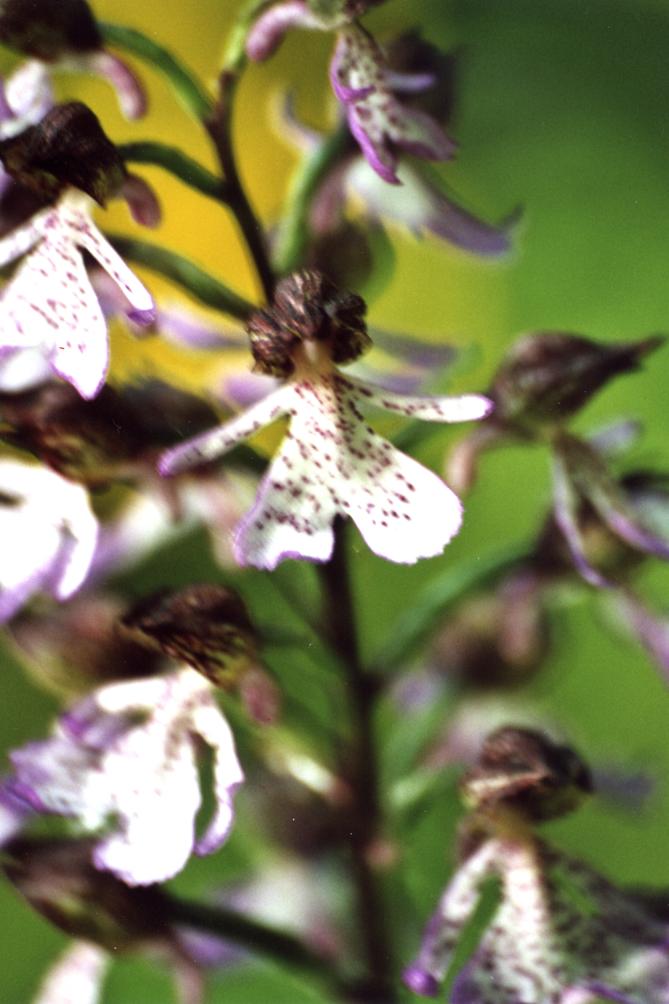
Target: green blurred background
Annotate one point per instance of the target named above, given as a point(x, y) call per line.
point(562, 108)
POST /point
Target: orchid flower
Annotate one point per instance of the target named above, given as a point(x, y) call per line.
point(562, 933)
point(48, 535)
point(50, 306)
point(123, 762)
point(331, 462)
point(362, 83)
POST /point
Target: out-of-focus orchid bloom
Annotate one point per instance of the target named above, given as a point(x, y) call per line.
point(381, 124)
point(48, 535)
point(123, 762)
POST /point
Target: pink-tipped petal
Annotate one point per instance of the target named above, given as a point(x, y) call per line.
point(269, 30)
point(142, 201)
point(129, 89)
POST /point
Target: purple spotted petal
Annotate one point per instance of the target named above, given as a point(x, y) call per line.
point(124, 762)
point(50, 303)
point(561, 933)
point(378, 121)
point(331, 463)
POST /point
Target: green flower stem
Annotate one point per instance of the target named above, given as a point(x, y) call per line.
point(204, 287)
point(171, 159)
point(219, 127)
point(186, 86)
point(361, 768)
point(283, 949)
point(293, 236)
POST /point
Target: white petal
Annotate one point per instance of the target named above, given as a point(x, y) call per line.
point(29, 94)
point(76, 978)
point(465, 408)
point(86, 235)
point(228, 775)
point(293, 510)
point(21, 240)
point(47, 536)
point(23, 369)
point(402, 509)
point(51, 303)
point(218, 441)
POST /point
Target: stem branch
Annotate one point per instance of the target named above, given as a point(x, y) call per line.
point(219, 127)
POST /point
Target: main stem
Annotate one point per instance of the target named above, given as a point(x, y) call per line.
point(219, 127)
point(362, 772)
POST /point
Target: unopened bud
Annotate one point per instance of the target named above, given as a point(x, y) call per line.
point(59, 880)
point(307, 307)
point(84, 441)
point(68, 148)
point(205, 626)
point(49, 29)
point(527, 772)
point(548, 376)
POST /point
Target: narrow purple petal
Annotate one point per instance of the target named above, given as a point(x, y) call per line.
point(129, 89)
point(142, 201)
point(269, 30)
point(420, 981)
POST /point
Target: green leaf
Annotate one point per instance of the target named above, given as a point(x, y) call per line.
point(437, 597)
point(202, 286)
point(171, 159)
point(474, 929)
point(186, 86)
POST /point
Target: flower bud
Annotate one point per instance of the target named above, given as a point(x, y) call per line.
point(59, 880)
point(548, 376)
point(49, 29)
point(84, 441)
point(68, 148)
point(527, 772)
point(205, 626)
point(307, 307)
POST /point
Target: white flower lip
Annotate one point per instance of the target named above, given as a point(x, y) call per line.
point(332, 463)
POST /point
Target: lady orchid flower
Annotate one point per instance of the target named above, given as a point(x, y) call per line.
point(50, 307)
point(561, 933)
point(123, 761)
point(48, 535)
point(331, 462)
point(362, 83)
